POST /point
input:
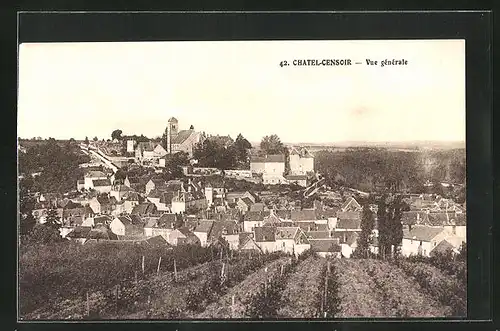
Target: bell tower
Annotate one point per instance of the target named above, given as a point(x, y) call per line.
point(171, 131)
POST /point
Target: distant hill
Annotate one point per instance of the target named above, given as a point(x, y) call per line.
point(391, 145)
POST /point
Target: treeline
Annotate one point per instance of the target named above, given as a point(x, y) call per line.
point(373, 169)
point(58, 165)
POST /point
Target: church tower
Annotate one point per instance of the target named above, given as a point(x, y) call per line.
point(171, 131)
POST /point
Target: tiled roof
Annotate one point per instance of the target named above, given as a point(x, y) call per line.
point(144, 209)
point(296, 177)
point(350, 203)
point(272, 220)
point(95, 174)
point(303, 215)
point(301, 151)
point(318, 234)
point(259, 206)
point(167, 221)
point(349, 224)
point(321, 227)
point(101, 182)
point(325, 245)
point(286, 232)
point(255, 215)
point(422, 232)
point(102, 219)
point(234, 195)
point(350, 215)
point(157, 241)
point(268, 158)
point(182, 136)
point(122, 188)
point(204, 226)
point(307, 226)
point(244, 236)
point(414, 217)
point(345, 237)
point(131, 196)
point(133, 180)
point(440, 219)
point(166, 198)
point(79, 232)
point(220, 228)
point(443, 247)
point(327, 213)
point(283, 214)
point(246, 201)
point(264, 234)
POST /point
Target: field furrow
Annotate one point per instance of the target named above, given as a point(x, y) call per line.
point(301, 294)
point(224, 309)
point(403, 296)
point(357, 291)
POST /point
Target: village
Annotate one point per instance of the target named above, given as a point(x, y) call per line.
point(200, 208)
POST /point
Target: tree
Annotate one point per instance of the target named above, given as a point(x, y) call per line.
point(272, 145)
point(52, 219)
point(43, 234)
point(95, 138)
point(396, 225)
point(191, 127)
point(116, 134)
point(120, 176)
point(367, 224)
point(382, 227)
point(86, 140)
point(241, 148)
point(26, 219)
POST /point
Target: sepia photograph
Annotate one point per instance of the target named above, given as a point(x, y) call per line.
point(245, 180)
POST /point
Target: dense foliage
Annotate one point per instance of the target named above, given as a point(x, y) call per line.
point(454, 266)
point(57, 164)
point(215, 152)
point(49, 273)
point(389, 225)
point(367, 225)
point(372, 169)
point(448, 290)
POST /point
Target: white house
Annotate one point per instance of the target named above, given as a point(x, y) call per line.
point(301, 161)
point(421, 239)
point(265, 238)
point(291, 240)
point(90, 176)
point(268, 165)
point(202, 231)
point(300, 180)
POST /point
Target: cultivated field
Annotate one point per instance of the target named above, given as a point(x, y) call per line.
point(247, 287)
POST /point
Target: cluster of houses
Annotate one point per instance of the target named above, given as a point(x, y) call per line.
point(194, 211)
point(187, 211)
point(433, 225)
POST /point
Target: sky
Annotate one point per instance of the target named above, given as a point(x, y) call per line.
point(74, 90)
